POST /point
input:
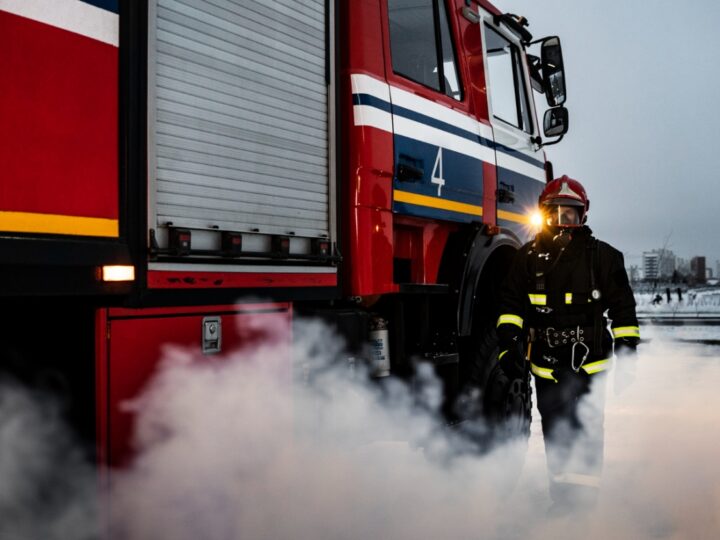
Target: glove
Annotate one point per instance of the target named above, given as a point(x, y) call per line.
point(512, 361)
point(626, 364)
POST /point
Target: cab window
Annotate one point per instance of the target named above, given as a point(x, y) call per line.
point(421, 45)
point(508, 95)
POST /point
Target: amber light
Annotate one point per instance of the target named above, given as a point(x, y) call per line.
point(536, 219)
point(118, 273)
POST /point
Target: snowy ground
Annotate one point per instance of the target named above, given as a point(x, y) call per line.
point(681, 333)
point(695, 303)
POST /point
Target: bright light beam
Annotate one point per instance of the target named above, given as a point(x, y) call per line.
point(535, 219)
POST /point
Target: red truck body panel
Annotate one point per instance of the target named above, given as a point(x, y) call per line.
point(58, 128)
point(136, 340)
point(216, 280)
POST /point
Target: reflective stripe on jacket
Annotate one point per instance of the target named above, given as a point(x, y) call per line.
point(590, 368)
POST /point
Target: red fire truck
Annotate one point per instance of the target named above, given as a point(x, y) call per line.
point(173, 170)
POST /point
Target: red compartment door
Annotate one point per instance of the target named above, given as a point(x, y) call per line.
point(130, 343)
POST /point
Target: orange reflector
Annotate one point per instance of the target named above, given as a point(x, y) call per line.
point(118, 273)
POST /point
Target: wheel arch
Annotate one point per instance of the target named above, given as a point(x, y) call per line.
point(487, 261)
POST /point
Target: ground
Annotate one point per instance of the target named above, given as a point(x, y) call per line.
point(662, 472)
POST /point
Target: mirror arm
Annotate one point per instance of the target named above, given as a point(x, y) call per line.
point(538, 140)
point(516, 25)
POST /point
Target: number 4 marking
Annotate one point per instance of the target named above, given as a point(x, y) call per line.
point(437, 173)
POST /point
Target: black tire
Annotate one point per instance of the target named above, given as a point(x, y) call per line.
point(491, 408)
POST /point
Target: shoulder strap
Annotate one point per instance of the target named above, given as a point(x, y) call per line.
point(541, 265)
point(536, 280)
point(595, 294)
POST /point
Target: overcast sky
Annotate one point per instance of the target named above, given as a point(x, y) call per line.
point(643, 83)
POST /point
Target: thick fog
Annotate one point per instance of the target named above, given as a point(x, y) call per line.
point(264, 444)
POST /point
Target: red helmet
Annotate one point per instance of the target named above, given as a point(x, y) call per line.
point(563, 192)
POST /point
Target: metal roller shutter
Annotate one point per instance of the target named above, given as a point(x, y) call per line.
point(239, 115)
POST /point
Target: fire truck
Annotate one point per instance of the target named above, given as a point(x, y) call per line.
point(180, 171)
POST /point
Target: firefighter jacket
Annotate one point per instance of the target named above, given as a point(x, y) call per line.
point(556, 295)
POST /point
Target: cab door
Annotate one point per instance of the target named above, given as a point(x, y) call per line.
point(439, 147)
point(520, 161)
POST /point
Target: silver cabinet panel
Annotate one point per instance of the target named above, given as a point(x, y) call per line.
point(239, 116)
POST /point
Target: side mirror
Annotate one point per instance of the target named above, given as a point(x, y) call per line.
point(555, 122)
point(553, 71)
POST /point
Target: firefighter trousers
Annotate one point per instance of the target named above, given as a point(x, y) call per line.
point(572, 415)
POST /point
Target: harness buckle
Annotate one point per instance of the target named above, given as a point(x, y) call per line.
point(548, 338)
point(564, 336)
point(572, 358)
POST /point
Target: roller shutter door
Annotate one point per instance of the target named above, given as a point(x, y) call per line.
point(239, 115)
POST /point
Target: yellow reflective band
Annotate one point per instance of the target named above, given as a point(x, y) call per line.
point(590, 369)
point(586, 480)
point(543, 373)
point(596, 367)
point(435, 202)
point(510, 319)
point(26, 222)
point(626, 331)
point(538, 299)
point(501, 355)
point(568, 298)
point(512, 216)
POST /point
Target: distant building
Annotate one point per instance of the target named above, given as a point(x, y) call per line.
point(682, 266)
point(658, 264)
point(697, 269)
point(667, 263)
point(633, 273)
point(651, 264)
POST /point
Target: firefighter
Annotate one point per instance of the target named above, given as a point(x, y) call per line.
point(552, 306)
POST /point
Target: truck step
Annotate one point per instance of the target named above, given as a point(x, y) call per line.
point(424, 288)
point(442, 358)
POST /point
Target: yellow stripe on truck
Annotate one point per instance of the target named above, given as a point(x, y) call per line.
point(28, 222)
point(512, 216)
point(454, 206)
point(436, 202)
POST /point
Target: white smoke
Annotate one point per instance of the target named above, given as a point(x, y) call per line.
point(235, 449)
point(47, 485)
point(267, 443)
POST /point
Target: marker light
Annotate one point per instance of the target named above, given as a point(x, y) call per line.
point(118, 273)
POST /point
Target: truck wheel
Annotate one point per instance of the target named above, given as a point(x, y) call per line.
point(491, 409)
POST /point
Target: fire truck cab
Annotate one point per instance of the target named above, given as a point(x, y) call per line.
point(165, 163)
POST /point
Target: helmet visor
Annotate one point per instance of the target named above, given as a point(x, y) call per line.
point(562, 215)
